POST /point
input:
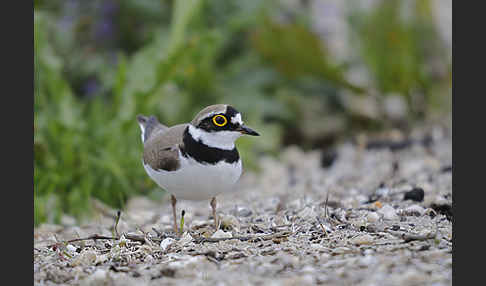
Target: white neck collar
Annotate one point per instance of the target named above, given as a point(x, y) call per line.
point(220, 139)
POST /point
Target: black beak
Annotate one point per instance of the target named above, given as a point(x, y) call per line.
point(247, 130)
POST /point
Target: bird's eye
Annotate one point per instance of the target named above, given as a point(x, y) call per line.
point(220, 120)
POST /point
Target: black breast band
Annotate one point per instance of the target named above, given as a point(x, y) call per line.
point(205, 154)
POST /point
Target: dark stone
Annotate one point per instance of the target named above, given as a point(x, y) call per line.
point(395, 167)
point(244, 212)
point(427, 141)
point(444, 209)
point(392, 145)
point(371, 228)
point(328, 158)
point(416, 194)
point(446, 169)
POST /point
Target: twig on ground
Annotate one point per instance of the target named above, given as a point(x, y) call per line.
point(129, 236)
point(116, 236)
point(322, 226)
point(144, 238)
point(244, 238)
point(92, 237)
point(325, 206)
point(407, 237)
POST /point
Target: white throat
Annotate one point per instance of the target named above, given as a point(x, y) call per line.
point(220, 139)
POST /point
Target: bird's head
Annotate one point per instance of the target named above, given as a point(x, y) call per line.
point(219, 126)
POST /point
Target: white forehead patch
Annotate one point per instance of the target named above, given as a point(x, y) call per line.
point(237, 119)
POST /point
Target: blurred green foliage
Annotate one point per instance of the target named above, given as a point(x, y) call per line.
point(100, 63)
point(400, 52)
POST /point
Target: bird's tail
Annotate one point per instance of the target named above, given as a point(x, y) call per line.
point(149, 126)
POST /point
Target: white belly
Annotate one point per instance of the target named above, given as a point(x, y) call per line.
point(194, 181)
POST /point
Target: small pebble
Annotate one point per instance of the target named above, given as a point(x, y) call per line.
point(388, 213)
point(229, 222)
point(71, 248)
point(378, 205)
point(371, 228)
point(185, 239)
point(362, 239)
point(382, 192)
point(166, 242)
point(372, 217)
point(245, 213)
point(85, 258)
point(368, 252)
point(415, 210)
point(342, 250)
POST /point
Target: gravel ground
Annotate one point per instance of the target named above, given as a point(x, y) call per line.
point(351, 216)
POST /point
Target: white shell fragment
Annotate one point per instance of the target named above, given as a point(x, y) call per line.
point(362, 239)
point(372, 217)
point(164, 244)
point(388, 212)
point(222, 234)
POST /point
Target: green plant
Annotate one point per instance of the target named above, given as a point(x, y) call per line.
point(400, 50)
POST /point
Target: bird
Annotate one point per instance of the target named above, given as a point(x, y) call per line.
point(196, 160)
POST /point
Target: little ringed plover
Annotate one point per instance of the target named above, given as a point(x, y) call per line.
point(196, 160)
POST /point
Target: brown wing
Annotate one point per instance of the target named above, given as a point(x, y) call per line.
point(161, 150)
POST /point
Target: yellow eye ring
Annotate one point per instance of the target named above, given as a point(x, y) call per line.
point(220, 124)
